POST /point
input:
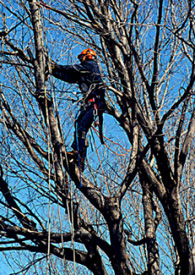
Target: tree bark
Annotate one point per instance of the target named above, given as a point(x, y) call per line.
point(117, 237)
point(150, 230)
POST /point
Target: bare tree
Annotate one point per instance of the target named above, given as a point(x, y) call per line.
point(132, 210)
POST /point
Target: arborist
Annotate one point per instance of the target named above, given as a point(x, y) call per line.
point(87, 76)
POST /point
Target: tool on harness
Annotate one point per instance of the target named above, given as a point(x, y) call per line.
point(98, 114)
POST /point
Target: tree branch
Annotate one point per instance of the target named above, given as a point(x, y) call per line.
point(25, 221)
point(187, 143)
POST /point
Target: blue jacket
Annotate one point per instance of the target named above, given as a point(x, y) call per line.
point(86, 74)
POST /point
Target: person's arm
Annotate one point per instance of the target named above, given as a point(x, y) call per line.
point(67, 73)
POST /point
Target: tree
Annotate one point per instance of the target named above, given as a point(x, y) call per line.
point(130, 213)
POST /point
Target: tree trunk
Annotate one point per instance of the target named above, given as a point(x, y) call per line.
point(150, 229)
point(175, 216)
point(118, 242)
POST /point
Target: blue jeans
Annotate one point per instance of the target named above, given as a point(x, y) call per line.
point(82, 125)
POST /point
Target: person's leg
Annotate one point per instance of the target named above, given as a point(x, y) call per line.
point(82, 126)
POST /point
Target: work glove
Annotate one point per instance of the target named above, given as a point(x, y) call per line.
point(48, 70)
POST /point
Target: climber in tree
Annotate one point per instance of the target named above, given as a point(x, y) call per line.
point(87, 76)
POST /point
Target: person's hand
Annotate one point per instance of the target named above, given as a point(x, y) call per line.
point(48, 70)
point(52, 66)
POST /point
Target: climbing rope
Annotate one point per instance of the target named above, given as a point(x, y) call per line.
point(49, 145)
point(101, 166)
point(127, 151)
point(49, 179)
point(79, 159)
point(69, 199)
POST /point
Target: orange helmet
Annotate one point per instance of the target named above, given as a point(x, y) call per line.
point(87, 54)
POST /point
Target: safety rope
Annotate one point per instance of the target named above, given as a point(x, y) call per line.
point(79, 159)
point(2, 38)
point(49, 179)
point(42, 3)
point(69, 199)
point(49, 157)
point(49, 167)
point(127, 151)
point(2, 49)
point(101, 166)
point(71, 221)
